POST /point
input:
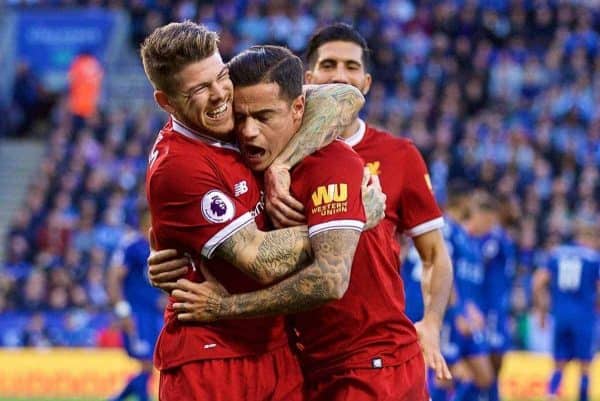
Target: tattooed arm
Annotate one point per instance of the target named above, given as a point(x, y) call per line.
point(329, 109)
point(326, 279)
point(267, 256)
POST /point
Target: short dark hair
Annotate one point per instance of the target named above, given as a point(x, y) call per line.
point(484, 201)
point(170, 48)
point(336, 32)
point(268, 64)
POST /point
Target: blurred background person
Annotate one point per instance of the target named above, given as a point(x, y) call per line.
point(572, 275)
point(137, 305)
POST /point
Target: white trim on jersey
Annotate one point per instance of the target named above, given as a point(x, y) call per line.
point(195, 135)
point(358, 135)
point(426, 227)
point(356, 225)
point(213, 243)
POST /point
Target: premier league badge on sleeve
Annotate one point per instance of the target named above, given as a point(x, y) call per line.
point(217, 207)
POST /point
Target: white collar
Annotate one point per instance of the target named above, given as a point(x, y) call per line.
point(358, 135)
point(180, 128)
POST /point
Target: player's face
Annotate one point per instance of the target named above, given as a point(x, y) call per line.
point(204, 97)
point(480, 221)
point(264, 122)
point(340, 62)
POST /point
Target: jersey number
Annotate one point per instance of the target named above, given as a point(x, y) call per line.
point(569, 274)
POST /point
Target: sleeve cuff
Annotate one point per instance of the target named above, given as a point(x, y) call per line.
point(356, 225)
point(213, 243)
point(425, 227)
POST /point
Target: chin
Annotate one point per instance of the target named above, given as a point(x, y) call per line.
point(220, 130)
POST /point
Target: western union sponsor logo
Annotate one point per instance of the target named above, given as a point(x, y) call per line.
point(330, 193)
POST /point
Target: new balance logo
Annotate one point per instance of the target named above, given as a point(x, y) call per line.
point(240, 188)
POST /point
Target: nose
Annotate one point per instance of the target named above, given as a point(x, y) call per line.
point(340, 76)
point(248, 129)
point(217, 91)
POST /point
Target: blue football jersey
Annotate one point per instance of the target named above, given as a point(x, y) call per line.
point(132, 255)
point(412, 273)
point(574, 271)
point(499, 260)
point(467, 262)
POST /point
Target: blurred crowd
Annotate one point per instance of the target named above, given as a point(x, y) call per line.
point(500, 94)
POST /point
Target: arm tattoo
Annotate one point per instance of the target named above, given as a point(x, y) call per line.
point(329, 109)
point(269, 257)
point(326, 279)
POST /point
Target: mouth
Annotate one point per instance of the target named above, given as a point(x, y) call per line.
point(219, 112)
point(253, 153)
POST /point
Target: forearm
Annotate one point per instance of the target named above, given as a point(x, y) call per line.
point(329, 109)
point(436, 289)
point(305, 290)
point(326, 279)
point(436, 282)
point(268, 256)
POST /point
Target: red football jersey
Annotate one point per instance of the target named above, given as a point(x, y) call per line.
point(367, 327)
point(200, 193)
point(411, 207)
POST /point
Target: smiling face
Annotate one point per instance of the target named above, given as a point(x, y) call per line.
point(340, 62)
point(265, 122)
point(204, 97)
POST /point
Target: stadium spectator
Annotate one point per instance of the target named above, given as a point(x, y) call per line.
point(85, 84)
point(536, 141)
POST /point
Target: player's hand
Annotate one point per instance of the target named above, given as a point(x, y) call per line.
point(373, 199)
point(462, 325)
point(165, 267)
point(429, 339)
point(199, 302)
point(475, 317)
point(283, 208)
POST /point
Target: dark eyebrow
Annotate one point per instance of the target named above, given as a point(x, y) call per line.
point(353, 62)
point(263, 112)
point(327, 60)
point(224, 71)
point(334, 61)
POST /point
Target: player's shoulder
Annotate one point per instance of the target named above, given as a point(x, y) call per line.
point(335, 159)
point(574, 250)
point(452, 230)
point(337, 151)
point(176, 158)
point(381, 137)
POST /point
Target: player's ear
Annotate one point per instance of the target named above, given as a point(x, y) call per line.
point(162, 99)
point(308, 76)
point(298, 108)
point(367, 85)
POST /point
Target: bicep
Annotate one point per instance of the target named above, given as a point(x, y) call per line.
point(240, 248)
point(267, 256)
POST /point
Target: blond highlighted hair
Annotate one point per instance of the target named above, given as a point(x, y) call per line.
point(170, 48)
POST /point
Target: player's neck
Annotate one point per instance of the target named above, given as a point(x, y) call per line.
point(351, 129)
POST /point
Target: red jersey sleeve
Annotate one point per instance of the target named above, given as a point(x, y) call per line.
point(419, 212)
point(192, 207)
point(331, 190)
